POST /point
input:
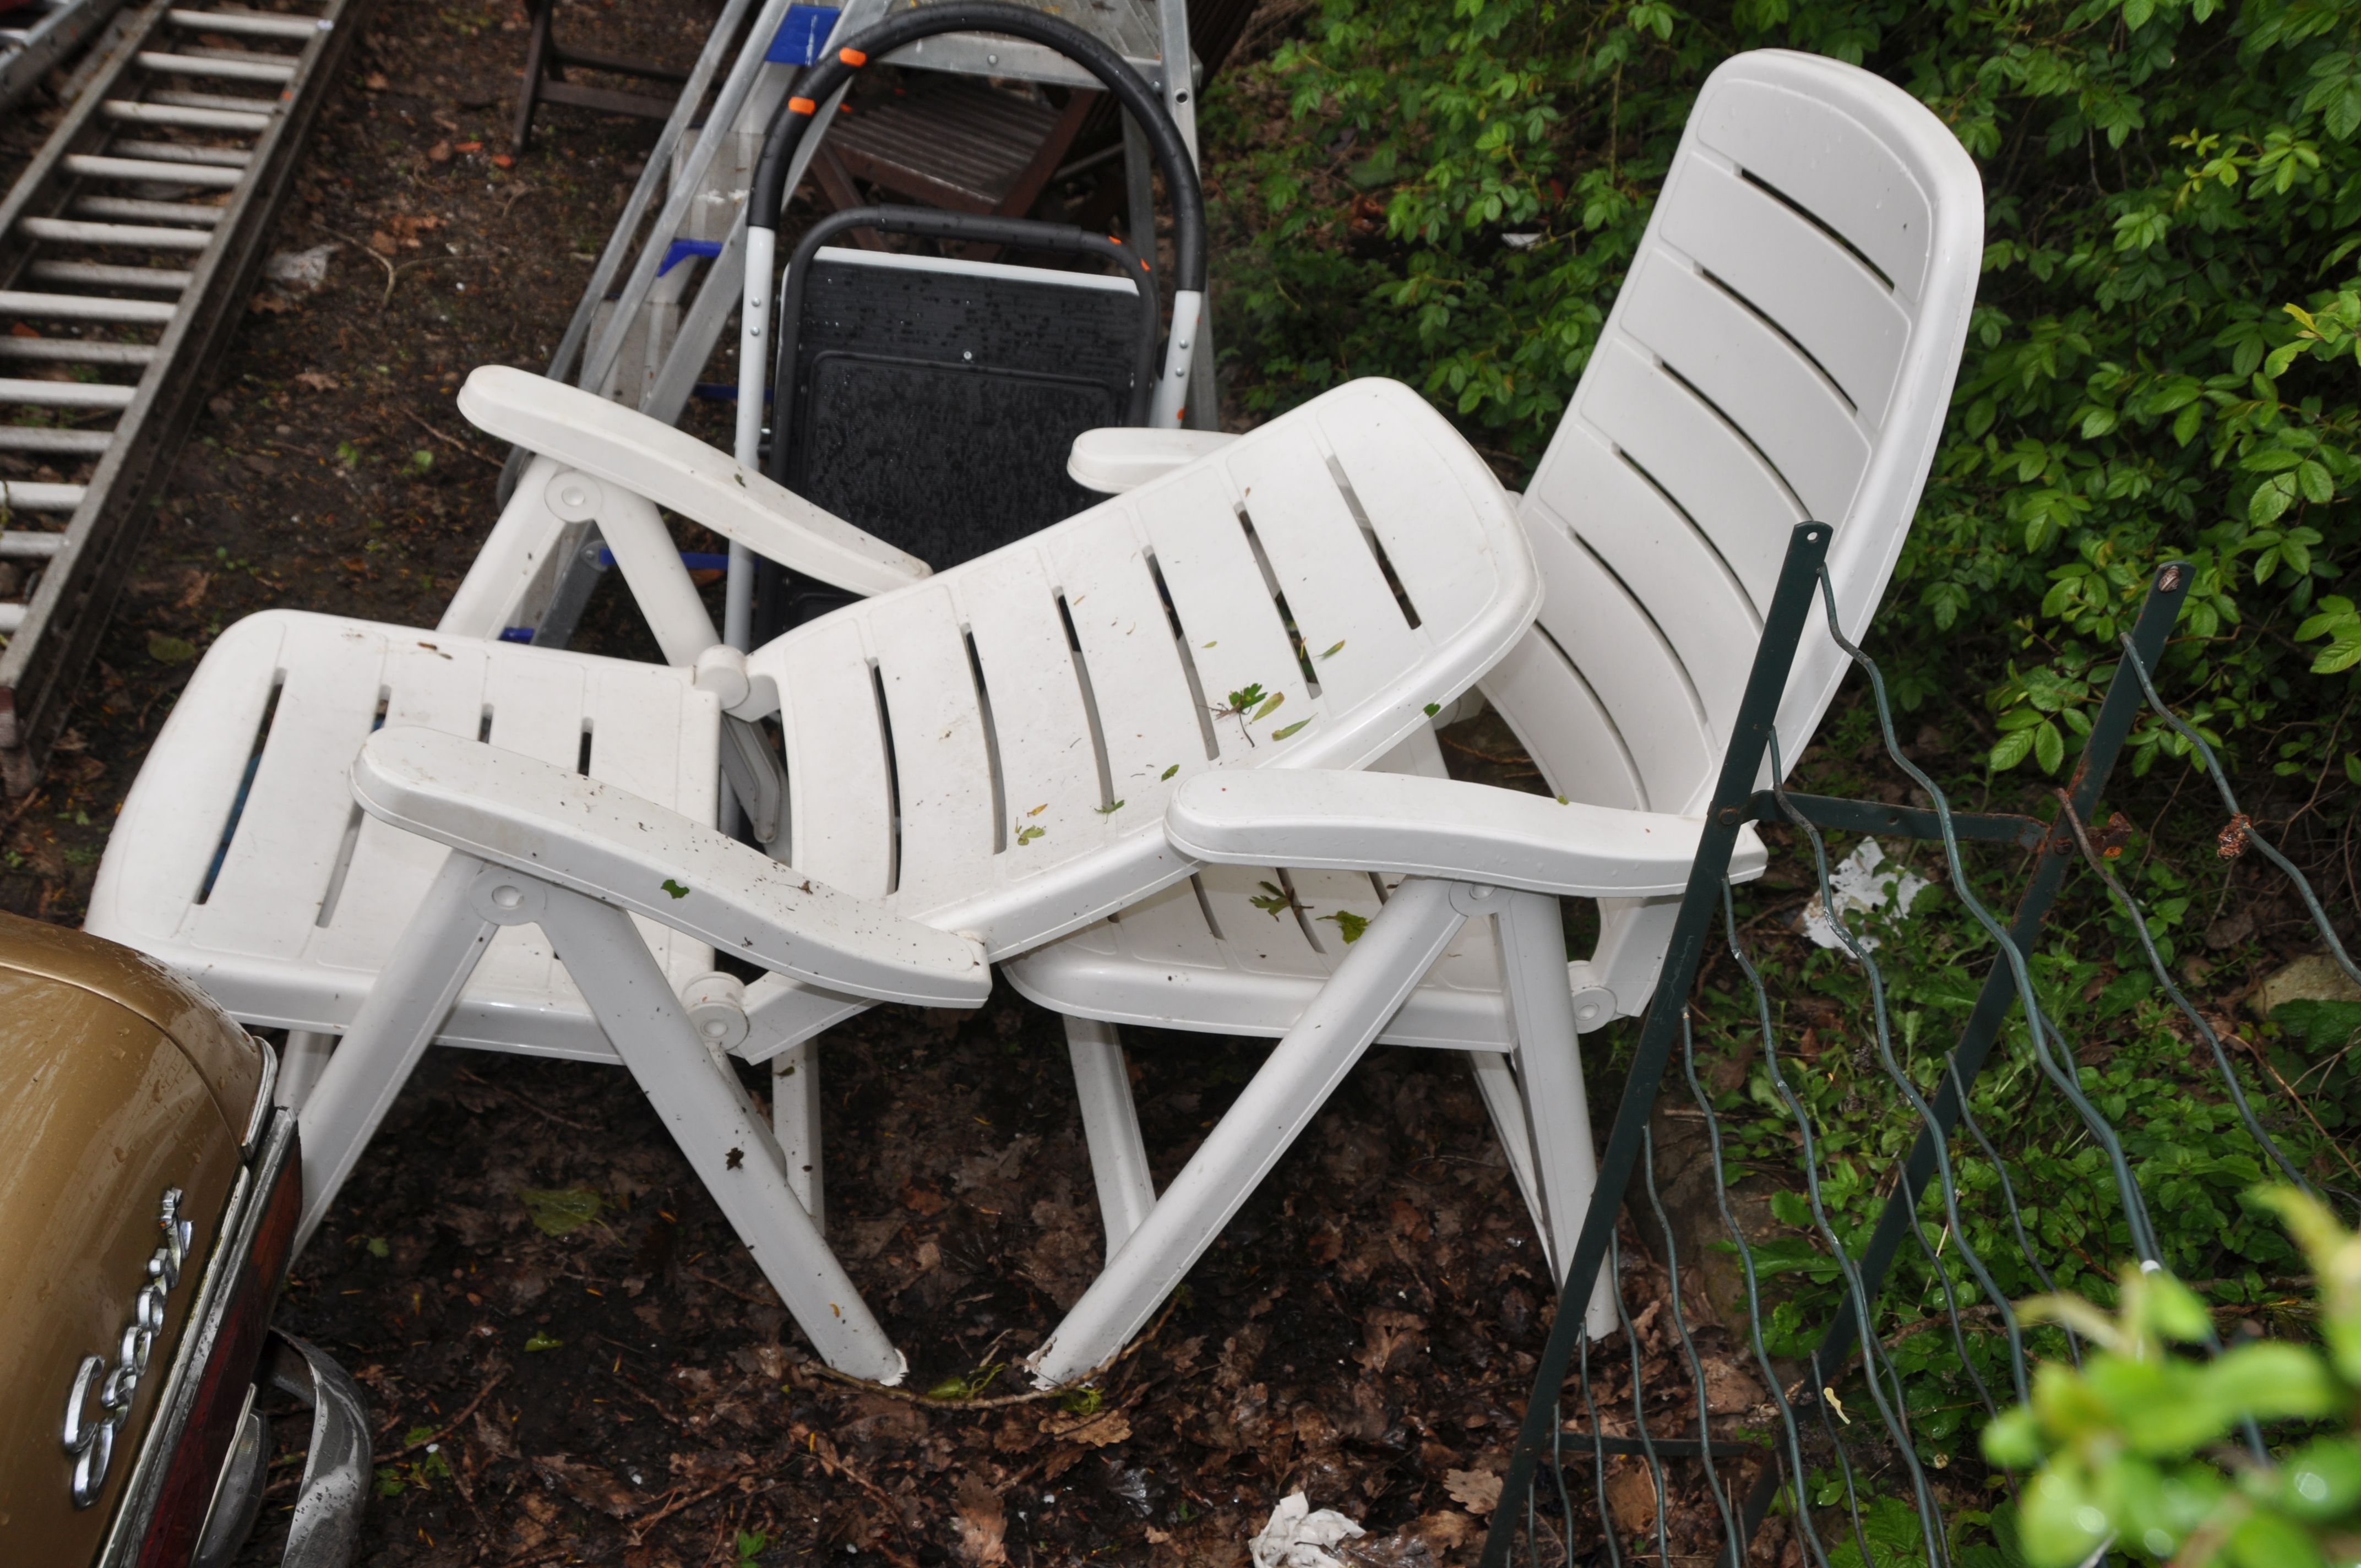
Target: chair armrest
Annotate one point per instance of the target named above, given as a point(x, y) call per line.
point(1321, 819)
point(1123, 457)
point(675, 470)
point(561, 827)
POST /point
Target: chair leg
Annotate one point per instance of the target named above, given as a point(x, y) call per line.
point(717, 1126)
point(794, 1117)
point(537, 61)
point(299, 1066)
point(1111, 1125)
point(1495, 1080)
point(1378, 973)
point(1549, 1069)
point(414, 992)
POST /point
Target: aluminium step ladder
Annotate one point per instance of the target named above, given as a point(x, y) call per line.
point(648, 345)
point(125, 248)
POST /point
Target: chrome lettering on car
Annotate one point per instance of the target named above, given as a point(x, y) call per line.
point(90, 1436)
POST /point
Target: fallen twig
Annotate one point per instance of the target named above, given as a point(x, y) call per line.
point(450, 441)
point(491, 1383)
point(514, 1098)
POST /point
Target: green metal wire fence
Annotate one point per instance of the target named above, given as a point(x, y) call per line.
point(1675, 1440)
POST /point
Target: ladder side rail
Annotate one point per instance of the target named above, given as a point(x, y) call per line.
point(69, 609)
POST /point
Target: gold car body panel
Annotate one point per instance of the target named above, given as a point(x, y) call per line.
point(113, 1083)
point(223, 1055)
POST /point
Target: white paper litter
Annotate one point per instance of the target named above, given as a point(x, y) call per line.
point(1859, 886)
point(301, 268)
point(1297, 1537)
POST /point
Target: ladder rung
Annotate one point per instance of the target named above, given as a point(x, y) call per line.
point(147, 170)
point(84, 308)
point(252, 26)
point(215, 101)
point(76, 351)
point(195, 119)
point(154, 212)
point(227, 70)
point(40, 438)
point(181, 152)
point(251, 56)
point(65, 394)
point(170, 280)
point(18, 494)
point(67, 231)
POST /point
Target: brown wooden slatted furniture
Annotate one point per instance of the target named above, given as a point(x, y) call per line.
point(950, 141)
point(544, 78)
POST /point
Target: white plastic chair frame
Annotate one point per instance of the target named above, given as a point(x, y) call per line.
point(919, 727)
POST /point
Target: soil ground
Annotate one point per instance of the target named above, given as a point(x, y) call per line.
point(602, 1375)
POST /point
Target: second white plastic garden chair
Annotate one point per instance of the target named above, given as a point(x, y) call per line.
point(1783, 348)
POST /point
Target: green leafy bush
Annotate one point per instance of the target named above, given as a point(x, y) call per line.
point(2163, 356)
point(2137, 1447)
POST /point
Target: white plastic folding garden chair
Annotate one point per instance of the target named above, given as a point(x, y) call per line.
point(955, 751)
point(1783, 349)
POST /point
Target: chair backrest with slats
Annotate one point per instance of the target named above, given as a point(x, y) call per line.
point(1782, 349)
point(1305, 596)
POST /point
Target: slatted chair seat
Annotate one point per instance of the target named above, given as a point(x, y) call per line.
point(241, 860)
point(992, 750)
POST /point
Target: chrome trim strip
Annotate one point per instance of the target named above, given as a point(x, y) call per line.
point(241, 1220)
point(258, 1116)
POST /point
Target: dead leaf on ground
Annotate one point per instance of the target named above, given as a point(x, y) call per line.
point(588, 1485)
point(1098, 1432)
point(1477, 1491)
point(983, 1523)
point(494, 1436)
point(1729, 1391)
point(922, 1200)
point(1387, 1335)
point(1631, 1496)
point(317, 381)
